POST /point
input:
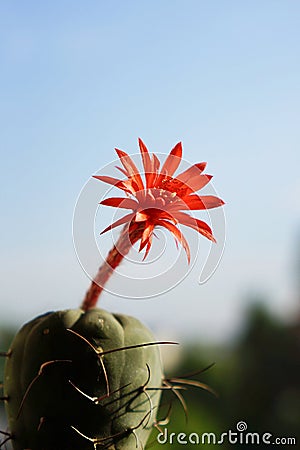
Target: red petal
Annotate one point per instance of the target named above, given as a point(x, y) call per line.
point(145, 156)
point(127, 163)
point(123, 171)
point(148, 247)
point(146, 236)
point(201, 202)
point(110, 180)
point(155, 163)
point(191, 172)
point(196, 224)
point(120, 202)
point(126, 185)
point(151, 179)
point(172, 161)
point(141, 217)
point(124, 219)
point(198, 182)
point(178, 235)
point(146, 161)
point(152, 176)
point(168, 216)
point(130, 167)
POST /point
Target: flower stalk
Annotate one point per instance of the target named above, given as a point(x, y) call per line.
point(113, 259)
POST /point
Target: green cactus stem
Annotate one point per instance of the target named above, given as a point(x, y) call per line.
point(82, 380)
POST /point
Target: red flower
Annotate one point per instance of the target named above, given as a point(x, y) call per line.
point(162, 198)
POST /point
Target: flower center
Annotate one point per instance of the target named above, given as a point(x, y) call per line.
point(153, 204)
point(175, 186)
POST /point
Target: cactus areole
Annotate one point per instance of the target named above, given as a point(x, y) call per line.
point(72, 385)
point(84, 379)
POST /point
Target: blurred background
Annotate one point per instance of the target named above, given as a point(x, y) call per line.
point(80, 78)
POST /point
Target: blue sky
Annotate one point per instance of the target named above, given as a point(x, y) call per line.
point(80, 78)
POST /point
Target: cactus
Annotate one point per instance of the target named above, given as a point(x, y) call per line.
point(85, 379)
point(71, 384)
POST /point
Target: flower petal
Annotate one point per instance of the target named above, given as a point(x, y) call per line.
point(130, 167)
point(124, 219)
point(120, 202)
point(146, 161)
point(173, 160)
point(110, 180)
point(191, 172)
point(168, 216)
point(148, 247)
point(153, 174)
point(145, 156)
point(196, 224)
point(123, 171)
point(155, 163)
point(147, 233)
point(198, 182)
point(178, 235)
point(201, 202)
point(141, 216)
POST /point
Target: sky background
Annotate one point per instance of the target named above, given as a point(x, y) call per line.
point(80, 78)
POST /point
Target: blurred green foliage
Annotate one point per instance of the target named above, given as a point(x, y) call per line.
point(257, 380)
